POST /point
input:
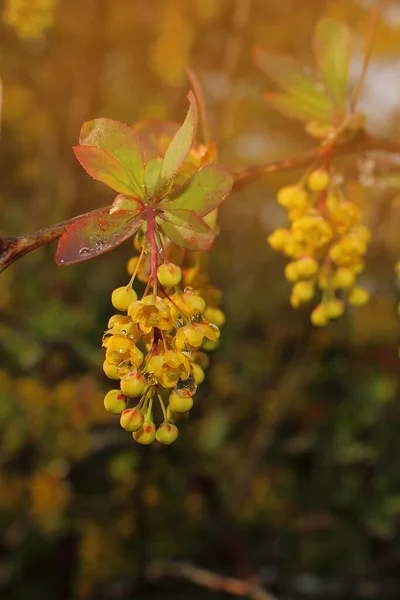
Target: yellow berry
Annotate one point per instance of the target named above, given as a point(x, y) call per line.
point(343, 278)
point(146, 434)
point(306, 267)
point(122, 297)
point(167, 433)
point(358, 296)
point(291, 196)
point(180, 403)
point(318, 316)
point(290, 271)
point(132, 384)
point(214, 316)
point(132, 419)
point(278, 239)
point(303, 291)
point(115, 402)
point(333, 308)
point(318, 180)
point(169, 274)
point(111, 370)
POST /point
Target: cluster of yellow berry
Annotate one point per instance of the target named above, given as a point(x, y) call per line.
point(326, 243)
point(155, 348)
point(29, 17)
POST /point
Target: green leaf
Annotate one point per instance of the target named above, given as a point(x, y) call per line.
point(291, 107)
point(298, 85)
point(186, 229)
point(121, 141)
point(203, 192)
point(95, 234)
point(180, 146)
point(332, 42)
point(105, 168)
point(152, 174)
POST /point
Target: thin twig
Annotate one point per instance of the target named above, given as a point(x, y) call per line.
point(208, 579)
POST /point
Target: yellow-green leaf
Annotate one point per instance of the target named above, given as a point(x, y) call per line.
point(179, 148)
point(332, 42)
point(301, 87)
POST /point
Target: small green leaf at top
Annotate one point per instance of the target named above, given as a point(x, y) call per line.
point(186, 229)
point(123, 144)
point(332, 45)
point(180, 145)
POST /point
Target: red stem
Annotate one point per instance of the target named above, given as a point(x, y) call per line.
point(153, 246)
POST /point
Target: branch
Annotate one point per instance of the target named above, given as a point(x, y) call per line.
point(208, 579)
point(11, 249)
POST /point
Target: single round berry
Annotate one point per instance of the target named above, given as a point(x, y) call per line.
point(132, 384)
point(169, 274)
point(122, 297)
point(111, 370)
point(214, 316)
point(358, 296)
point(167, 433)
point(182, 402)
point(318, 180)
point(146, 434)
point(343, 278)
point(292, 196)
point(115, 402)
point(333, 308)
point(318, 316)
point(132, 419)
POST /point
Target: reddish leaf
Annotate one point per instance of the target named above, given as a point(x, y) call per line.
point(186, 229)
point(180, 146)
point(121, 141)
point(203, 192)
point(96, 234)
point(155, 136)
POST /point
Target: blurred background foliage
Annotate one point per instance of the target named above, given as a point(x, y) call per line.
point(288, 468)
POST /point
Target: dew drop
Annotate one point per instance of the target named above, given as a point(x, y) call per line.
point(99, 243)
point(83, 251)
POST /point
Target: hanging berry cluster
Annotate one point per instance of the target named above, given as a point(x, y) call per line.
point(169, 189)
point(154, 349)
point(326, 242)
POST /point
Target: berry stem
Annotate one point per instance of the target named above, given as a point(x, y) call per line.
point(132, 279)
point(153, 246)
point(162, 405)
